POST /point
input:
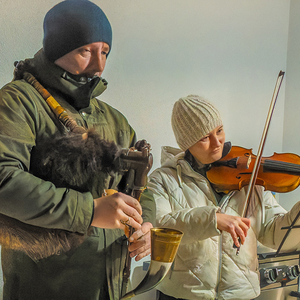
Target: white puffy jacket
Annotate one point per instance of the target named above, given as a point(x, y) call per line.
point(206, 265)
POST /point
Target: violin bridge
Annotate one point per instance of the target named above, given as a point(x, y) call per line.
point(248, 162)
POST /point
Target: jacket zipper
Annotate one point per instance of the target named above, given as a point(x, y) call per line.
point(222, 203)
point(83, 114)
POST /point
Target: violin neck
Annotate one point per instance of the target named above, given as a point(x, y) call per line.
point(281, 167)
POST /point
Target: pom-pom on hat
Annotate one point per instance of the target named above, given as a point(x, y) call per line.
point(72, 24)
point(193, 117)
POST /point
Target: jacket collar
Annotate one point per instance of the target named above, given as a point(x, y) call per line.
point(78, 91)
point(171, 157)
point(202, 168)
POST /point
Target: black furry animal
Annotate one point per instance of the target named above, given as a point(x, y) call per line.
point(70, 161)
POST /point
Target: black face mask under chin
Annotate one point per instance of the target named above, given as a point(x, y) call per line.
point(81, 95)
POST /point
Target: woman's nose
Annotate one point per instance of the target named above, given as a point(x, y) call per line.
point(215, 141)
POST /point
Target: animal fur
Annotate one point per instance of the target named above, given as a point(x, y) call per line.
point(69, 161)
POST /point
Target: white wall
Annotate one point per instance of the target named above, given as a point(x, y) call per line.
point(291, 137)
point(229, 51)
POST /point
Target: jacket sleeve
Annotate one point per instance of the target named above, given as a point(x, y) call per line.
point(149, 208)
point(276, 218)
point(22, 195)
point(197, 223)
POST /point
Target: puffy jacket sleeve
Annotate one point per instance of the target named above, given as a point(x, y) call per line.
point(22, 195)
point(174, 211)
point(276, 218)
point(149, 208)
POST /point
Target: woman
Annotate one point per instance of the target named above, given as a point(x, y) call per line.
point(206, 265)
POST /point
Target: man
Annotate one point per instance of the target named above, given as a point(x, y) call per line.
point(77, 41)
point(206, 265)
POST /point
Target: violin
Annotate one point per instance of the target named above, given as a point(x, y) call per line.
point(278, 173)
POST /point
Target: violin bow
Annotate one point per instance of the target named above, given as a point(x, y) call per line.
point(260, 149)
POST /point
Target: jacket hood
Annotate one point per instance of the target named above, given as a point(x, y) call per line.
point(78, 90)
point(170, 156)
point(174, 158)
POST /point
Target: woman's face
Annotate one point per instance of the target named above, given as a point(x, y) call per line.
point(209, 149)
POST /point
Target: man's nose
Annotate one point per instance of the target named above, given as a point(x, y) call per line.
point(99, 62)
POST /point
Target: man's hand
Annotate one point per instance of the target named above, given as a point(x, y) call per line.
point(236, 226)
point(140, 242)
point(117, 211)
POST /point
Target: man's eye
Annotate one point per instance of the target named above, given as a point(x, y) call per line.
point(204, 139)
point(85, 51)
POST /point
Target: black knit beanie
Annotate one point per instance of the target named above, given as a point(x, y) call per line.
point(72, 24)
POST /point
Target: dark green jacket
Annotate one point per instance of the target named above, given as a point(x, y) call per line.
point(25, 121)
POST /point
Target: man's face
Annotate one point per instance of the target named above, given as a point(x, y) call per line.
point(209, 149)
point(88, 60)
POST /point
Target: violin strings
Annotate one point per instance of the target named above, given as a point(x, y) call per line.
point(281, 167)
